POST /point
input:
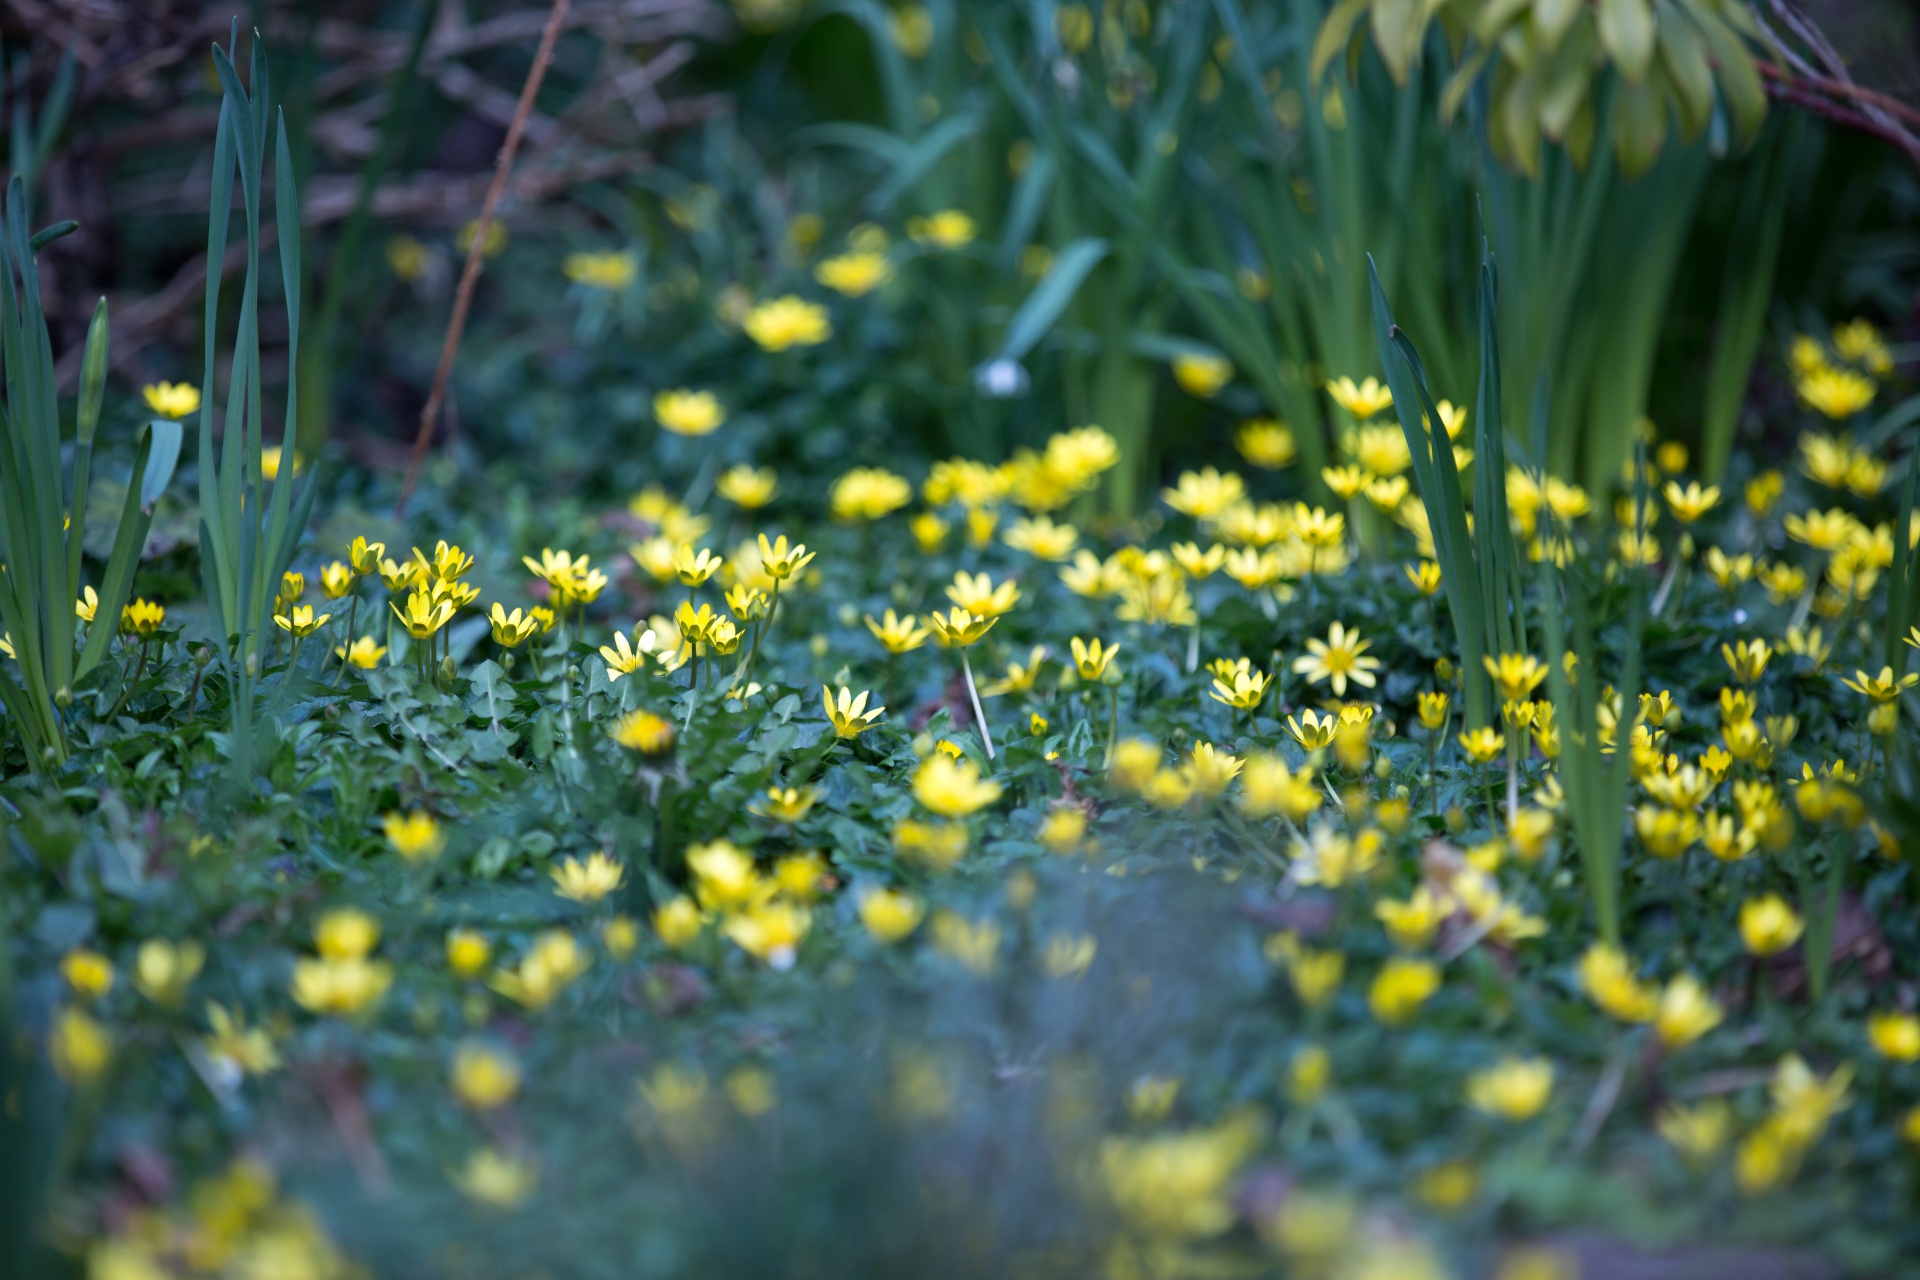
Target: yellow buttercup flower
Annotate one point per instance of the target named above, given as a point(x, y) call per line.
point(422, 617)
point(1515, 675)
point(611, 270)
point(1401, 987)
point(79, 1047)
point(1692, 502)
point(785, 804)
point(688, 413)
point(643, 731)
point(468, 952)
point(1747, 659)
point(1412, 923)
point(1337, 660)
point(770, 932)
point(497, 1179)
point(1768, 925)
point(1205, 494)
point(415, 835)
point(1265, 443)
point(363, 653)
point(953, 788)
point(172, 399)
point(1835, 392)
point(958, 629)
point(787, 321)
point(947, 229)
point(677, 922)
point(88, 973)
point(482, 1077)
point(854, 275)
point(336, 579)
point(978, 594)
point(1686, 1012)
point(301, 622)
point(1895, 1036)
point(163, 970)
point(1091, 659)
point(849, 714)
point(1514, 1089)
point(747, 487)
point(1362, 401)
point(142, 618)
point(588, 881)
point(897, 634)
point(1884, 687)
point(1483, 744)
point(1346, 482)
point(1040, 537)
point(693, 568)
point(1201, 374)
point(1242, 691)
point(889, 915)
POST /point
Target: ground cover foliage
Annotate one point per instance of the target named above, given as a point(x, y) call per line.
point(1415, 832)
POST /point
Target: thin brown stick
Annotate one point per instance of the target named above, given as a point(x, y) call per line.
point(476, 251)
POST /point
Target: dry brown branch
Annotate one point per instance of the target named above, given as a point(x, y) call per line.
point(470, 275)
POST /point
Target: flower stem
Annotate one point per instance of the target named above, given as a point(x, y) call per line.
point(979, 714)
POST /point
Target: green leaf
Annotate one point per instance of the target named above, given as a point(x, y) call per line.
point(1398, 28)
point(1050, 297)
point(1639, 125)
point(160, 463)
point(1688, 71)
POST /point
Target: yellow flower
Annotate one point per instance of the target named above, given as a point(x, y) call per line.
point(510, 630)
point(1835, 392)
point(416, 835)
point(1822, 530)
point(938, 845)
point(1202, 375)
point(611, 269)
point(1412, 923)
point(785, 804)
point(977, 594)
point(1747, 660)
point(1039, 536)
point(588, 881)
point(1362, 401)
point(974, 945)
point(346, 934)
point(897, 634)
point(1312, 731)
point(930, 531)
point(1205, 494)
point(643, 731)
point(947, 229)
point(1483, 744)
point(1337, 659)
point(239, 1049)
point(142, 618)
point(747, 487)
point(497, 1179)
point(953, 788)
point(468, 952)
point(1687, 1012)
point(336, 579)
point(1346, 482)
point(1763, 492)
point(163, 970)
point(854, 275)
point(1513, 1089)
point(677, 921)
point(1064, 829)
point(1698, 1132)
point(1424, 576)
point(889, 915)
point(1265, 443)
point(688, 413)
point(1433, 710)
point(1091, 659)
point(1895, 1036)
point(1667, 833)
point(172, 399)
point(1515, 675)
point(788, 321)
point(88, 973)
point(270, 462)
point(549, 967)
point(802, 876)
point(79, 1046)
point(849, 715)
point(1196, 563)
point(1401, 987)
point(1608, 978)
point(422, 617)
point(302, 622)
point(770, 932)
point(1859, 343)
point(1243, 691)
point(1307, 1074)
point(958, 628)
point(342, 986)
point(482, 1077)
point(1768, 925)
point(1882, 688)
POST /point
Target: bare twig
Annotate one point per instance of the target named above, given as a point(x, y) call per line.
point(476, 251)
